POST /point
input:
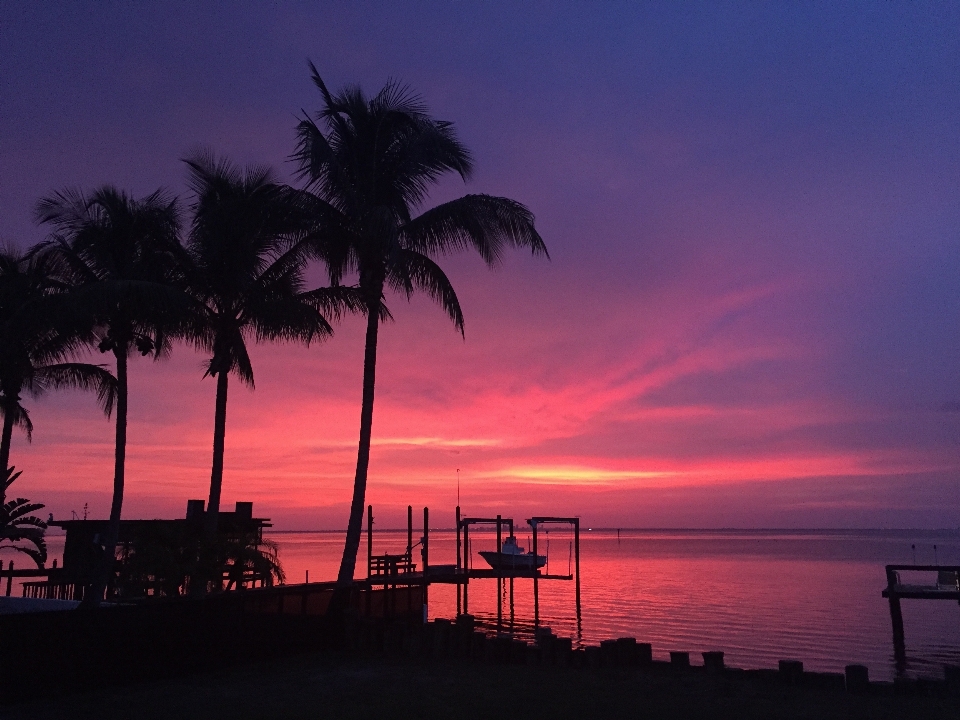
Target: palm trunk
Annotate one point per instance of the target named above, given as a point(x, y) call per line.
point(103, 574)
point(5, 439)
point(355, 527)
point(216, 473)
point(207, 558)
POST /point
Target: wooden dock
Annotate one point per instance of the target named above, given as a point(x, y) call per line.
point(946, 587)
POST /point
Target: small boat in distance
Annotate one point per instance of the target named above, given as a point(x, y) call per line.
point(512, 557)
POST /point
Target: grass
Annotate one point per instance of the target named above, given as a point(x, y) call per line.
point(322, 686)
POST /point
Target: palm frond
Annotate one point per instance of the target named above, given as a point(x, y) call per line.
point(21, 417)
point(485, 223)
point(81, 376)
point(413, 271)
point(8, 479)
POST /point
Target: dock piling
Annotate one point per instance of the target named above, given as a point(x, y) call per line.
point(499, 573)
point(458, 559)
point(426, 558)
point(896, 617)
point(536, 584)
point(369, 539)
point(857, 678)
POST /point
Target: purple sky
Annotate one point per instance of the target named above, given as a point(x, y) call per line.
point(753, 212)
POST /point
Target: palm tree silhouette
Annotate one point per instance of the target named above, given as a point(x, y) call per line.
point(245, 263)
point(34, 339)
point(21, 531)
point(369, 167)
point(118, 255)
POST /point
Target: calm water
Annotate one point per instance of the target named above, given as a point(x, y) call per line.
point(758, 596)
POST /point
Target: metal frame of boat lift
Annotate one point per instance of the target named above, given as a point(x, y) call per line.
point(463, 565)
point(394, 570)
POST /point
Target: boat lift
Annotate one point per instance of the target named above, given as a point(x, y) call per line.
point(465, 568)
point(400, 570)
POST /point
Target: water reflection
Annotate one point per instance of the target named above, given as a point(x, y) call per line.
point(758, 596)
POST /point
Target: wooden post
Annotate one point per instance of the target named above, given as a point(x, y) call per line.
point(896, 618)
point(466, 567)
point(536, 585)
point(499, 573)
point(410, 531)
point(10, 579)
point(458, 561)
point(576, 552)
point(369, 602)
point(369, 539)
point(426, 559)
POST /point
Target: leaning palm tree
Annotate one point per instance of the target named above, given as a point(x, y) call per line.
point(244, 271)
point(118, 255)
point(35, 339)
point(369, 164)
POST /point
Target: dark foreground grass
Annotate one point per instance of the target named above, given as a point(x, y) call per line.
point(316, 686)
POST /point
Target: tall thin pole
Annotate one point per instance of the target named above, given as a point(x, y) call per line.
point(576, 550)
point(369, 539)
point(536, 585)
point(426, 558)
point(499, 573)
point(466, 566)
point(410, 531)
point(458, 550)
point(896, 620)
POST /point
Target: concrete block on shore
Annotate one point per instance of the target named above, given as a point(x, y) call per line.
point(608, 653)
point(857, 678)
point(791, 671)
point(644, 653)
point(626, 651)
point(466, 623)
point(592, 656)
point(713, 661)
point(679, 660)
point(824, 680)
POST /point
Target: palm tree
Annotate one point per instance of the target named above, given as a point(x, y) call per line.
point(21, 531)
point(34, 339)
point(245, 273)
point(118, 255)
point(369, 165)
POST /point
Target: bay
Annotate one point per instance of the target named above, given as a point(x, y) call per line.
point(759, 596)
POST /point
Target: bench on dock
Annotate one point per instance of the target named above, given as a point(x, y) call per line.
point(391, 565)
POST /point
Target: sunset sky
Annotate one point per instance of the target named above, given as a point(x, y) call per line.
point(750, 318)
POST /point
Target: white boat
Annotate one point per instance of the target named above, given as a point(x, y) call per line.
point(512, 557)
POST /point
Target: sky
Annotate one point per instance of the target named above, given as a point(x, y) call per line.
point(750, 313)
